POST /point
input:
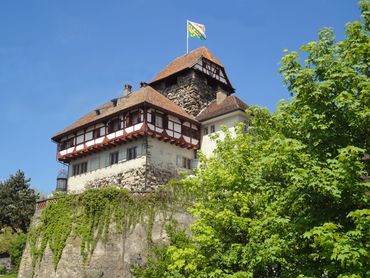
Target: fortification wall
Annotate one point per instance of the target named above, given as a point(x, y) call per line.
point(111, 259)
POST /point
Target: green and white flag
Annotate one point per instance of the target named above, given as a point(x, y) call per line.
point(196, 30)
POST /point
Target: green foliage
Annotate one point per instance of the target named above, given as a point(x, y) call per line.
point(12, 274)
point(17, 246)
point(330, 108)
point(17, 202)
point(291, 198)
point(6, 237)
point(2, 269)
point(91, 216)
point(158, 256)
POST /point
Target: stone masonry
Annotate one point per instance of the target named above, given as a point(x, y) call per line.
point(191, 92)
point(134, 180)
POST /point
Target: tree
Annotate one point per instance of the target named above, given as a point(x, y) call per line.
point(291, 198)
point(17, 202)
point(331, 91)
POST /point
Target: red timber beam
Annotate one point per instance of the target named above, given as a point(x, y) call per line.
point(128, 137)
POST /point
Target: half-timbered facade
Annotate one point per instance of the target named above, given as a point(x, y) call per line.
point(144, 138)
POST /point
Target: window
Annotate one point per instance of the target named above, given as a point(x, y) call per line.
point(135, 117)
point(89, 135)
point(212, 128)
point(186, 131)
point(98, 132)
point(79, 168)
point(66, 144)
point(80, 137)
point(183, 162)
point(205, 131)
point(113, 125)
point(186, 163)
point(159, 120)
point(131, 153)
point(113, 158)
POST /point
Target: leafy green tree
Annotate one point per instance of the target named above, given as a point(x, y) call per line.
point(291, 198)
point(17, 202)
point(331, 90)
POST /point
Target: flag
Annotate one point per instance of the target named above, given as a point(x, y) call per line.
point(196, 30)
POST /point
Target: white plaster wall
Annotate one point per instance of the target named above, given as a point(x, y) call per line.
point(98, 165)
point(208, 145)
point(164, 154)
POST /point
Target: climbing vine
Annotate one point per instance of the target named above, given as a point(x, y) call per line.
point(91, 215)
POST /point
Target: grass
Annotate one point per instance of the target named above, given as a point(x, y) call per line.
point(9, 275)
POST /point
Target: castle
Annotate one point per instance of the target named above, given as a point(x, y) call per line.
point(143, 139)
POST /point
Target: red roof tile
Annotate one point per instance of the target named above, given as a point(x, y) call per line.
point(229, 104)
point(186, 61)
point(145, 94)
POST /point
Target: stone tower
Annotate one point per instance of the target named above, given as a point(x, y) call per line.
point(193, 80)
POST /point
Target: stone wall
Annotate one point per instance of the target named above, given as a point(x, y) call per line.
point(134, 179)
point(191, 92)
point(112, 259)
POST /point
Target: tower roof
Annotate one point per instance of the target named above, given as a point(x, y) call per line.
point(186, 61)
point(145, 94)
point(228, 105)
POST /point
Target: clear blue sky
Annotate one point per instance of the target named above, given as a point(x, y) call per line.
point(60, 59)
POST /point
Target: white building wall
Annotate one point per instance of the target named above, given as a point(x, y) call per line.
point(98, 165)
point(208, 145)
point(167, 156)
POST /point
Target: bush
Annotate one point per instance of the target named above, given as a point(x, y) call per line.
point(16, 249)
point(2, 269)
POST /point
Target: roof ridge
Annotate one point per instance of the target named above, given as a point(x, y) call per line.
point(186, 61)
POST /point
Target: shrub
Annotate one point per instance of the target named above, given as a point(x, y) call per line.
point(2, 269)
point(16, 249)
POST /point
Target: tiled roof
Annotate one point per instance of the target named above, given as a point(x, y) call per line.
point(186, 61)
point(144, 94)
point(229, 104)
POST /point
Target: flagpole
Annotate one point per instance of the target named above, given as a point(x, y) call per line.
point(187, 37)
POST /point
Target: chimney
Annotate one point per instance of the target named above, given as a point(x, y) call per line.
point(127, 89)
point(143, 84)
point(220, 95)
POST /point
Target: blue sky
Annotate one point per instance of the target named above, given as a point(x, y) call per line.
point(61, 59)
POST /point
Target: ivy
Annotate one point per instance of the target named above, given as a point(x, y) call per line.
point(90, 216)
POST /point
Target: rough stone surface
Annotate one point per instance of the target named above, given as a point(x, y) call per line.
point(134, 180)
point(192, 93)
point(113, 259)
